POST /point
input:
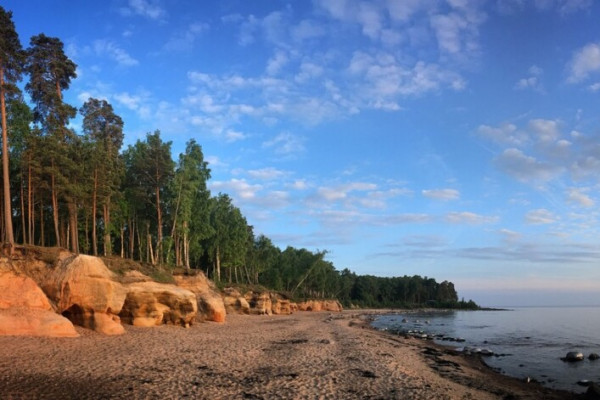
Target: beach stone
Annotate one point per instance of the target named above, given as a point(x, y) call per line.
point(152, 303)
point(82, 288)
point(234, 302)
point(593, 356)
point(26, 311)
point(211, 306)
point(574, 356)
point(593, 391)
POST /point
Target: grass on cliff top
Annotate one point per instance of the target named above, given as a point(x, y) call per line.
point(159, 273)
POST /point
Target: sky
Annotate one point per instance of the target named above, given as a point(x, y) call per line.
point(453, 139)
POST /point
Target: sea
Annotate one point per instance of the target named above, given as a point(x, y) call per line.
point(527, 342)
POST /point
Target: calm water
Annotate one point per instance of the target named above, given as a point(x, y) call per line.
point(532, 339)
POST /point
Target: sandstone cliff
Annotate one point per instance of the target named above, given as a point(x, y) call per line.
point(44, 291)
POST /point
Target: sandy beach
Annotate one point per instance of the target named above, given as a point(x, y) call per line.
point(300, 356)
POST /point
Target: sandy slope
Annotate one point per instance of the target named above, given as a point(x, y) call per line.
point(301, 356)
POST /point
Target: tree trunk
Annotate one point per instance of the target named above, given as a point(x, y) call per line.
point(73, 226)
point(23, 227)
point(94, 208)
point(131, 238)
point(218, 264)
point(122, 241)
point(30, 208)
point(42, 239)
point(107, 241)
point(159, 223)
point(55, 207)
point(5, 171)
point(186, 255)
point(150, 252)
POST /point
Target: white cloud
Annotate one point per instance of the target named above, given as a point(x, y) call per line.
point(526, 168)
point(594, 87)
point(111, 50)
point(341, 191)
point(286, 144)
point(506, 133)
point(546, 131)
point(466, 217)
point(240, 187)
point(584, 62)
point(540, 216)
point(266, 173)
point(578, 196)
point(442, 194)
point(307, 29)
point(233, 136)
point(184, 40)
point(275, 63)
point(532, 81)
point(146, 8)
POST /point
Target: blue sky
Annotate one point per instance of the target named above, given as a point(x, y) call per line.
point(455, 139)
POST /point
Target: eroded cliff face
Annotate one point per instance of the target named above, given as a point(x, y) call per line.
point(211, 306)
point(271, 303)
point(44, 293)
point(26, 311)
point(63, 289)
point(320, 305)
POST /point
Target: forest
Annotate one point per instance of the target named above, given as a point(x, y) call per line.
point(83, 191)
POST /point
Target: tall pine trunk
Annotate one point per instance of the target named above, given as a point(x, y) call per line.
point(54, 196)
point(5, 171)
point(94, 211)
point(107, 241)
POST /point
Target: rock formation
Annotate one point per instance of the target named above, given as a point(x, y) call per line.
point(320, 305)
point(210, 303)
point(260, 302)
point(26, 311)
point(280, 306)
point(152, 303)
point(234, 302)
point(85, 292)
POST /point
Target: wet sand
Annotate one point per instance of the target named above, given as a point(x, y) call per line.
point(300, 356)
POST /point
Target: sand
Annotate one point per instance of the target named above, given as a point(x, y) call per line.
point(300, 356)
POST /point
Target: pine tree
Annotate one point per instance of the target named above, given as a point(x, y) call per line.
point(50, 72)
point(12, 60)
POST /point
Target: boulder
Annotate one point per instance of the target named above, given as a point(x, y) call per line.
point(593, 356)
point(83, 289)
point(234, 302)
point(26, 311)
point(35, 322)
point(260, 303)
point(152, 303)
point(210, 303)
point(573, 356)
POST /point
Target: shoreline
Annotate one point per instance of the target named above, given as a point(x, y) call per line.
point(303, 355)
point(475, 371)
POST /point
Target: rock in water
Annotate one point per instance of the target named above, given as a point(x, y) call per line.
point(574, 356)
point(593, 356)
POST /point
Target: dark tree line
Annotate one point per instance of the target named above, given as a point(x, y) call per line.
point(85, 192)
